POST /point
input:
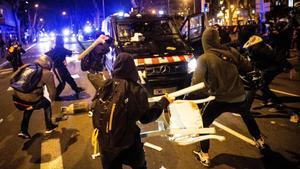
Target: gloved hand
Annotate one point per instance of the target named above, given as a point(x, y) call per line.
point(165, 101)
point(169, 98)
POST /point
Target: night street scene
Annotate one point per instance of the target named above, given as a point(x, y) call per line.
point(157, 84)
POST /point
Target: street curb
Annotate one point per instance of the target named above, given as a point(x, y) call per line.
point(6, 62)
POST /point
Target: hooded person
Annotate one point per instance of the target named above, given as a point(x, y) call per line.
point(58, 55)
point(35, 99)
point(263, 58)
point(219, 69)
point(138, 109)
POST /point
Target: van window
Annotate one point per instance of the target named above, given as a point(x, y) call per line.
point(150, 37)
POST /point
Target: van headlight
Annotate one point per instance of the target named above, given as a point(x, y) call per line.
point(192, 64)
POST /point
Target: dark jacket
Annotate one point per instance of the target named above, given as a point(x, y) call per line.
point(221, 77)
point(47, 80)
point(138, 108)
point(97, 57)
point(263, 57)
point(58, 56)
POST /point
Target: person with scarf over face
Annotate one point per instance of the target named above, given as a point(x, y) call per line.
point(132, 153)
point(219, 68)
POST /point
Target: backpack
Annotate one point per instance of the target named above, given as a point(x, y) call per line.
point(85, 63)
point(110, 113)
point(27, 78)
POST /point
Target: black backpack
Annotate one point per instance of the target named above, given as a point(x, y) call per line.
point(27, 78)
point(85, 63)
point(110, 113)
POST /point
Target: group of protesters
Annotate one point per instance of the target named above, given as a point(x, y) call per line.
point(219, 67)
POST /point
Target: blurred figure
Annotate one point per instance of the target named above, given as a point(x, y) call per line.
point(14, 54)
point(58, 55)
point(263, 58)
point(2, 47)
point(281, 34)
point(94, 62)
point(219, 69)
point(224, 35)
point(34, 100)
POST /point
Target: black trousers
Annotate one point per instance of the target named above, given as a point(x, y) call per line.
point(63, 75)
point(212, 110)
point(134, 156)
point(267, 93)
point(42, 103)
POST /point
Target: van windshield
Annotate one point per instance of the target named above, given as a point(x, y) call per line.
point(150, 37)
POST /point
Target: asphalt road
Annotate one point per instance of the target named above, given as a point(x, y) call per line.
point(69, 147)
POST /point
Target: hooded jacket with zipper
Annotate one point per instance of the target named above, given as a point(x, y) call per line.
point(138, 105)
point(221, 76)
point(47, 80)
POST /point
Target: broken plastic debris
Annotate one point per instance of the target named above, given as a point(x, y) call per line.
point(1, 120)
point(273, 122)
point(155, 147)
point(162, 167)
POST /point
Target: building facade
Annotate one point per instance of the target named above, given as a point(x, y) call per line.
point(7, 23)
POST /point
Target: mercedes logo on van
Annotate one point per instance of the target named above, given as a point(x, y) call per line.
point(165, 69)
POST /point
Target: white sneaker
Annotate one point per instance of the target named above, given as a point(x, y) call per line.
point(260, 143)
point(90, 114)
point(48, 131)
point(203, 159)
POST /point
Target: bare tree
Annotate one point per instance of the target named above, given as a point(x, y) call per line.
point(15, 5)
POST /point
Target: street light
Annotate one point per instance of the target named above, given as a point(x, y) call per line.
point(41, 19)
point(103, 8)
point(35, 14)
point(64, 13)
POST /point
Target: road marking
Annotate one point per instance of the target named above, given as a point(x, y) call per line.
point(286, 93)
point(51, 154)
point(234, 133)
point(31, 46)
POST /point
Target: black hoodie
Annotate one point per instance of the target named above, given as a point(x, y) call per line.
point(221, 77)
point(138, 105)
point(124, 68)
